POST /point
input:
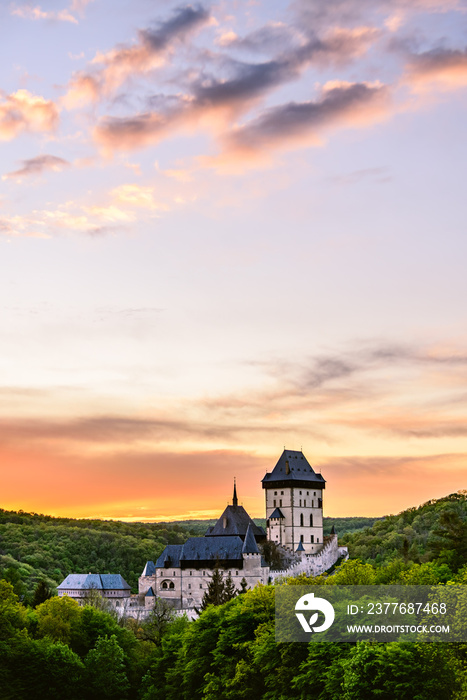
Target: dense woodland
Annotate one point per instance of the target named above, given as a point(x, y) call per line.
point(59, 650)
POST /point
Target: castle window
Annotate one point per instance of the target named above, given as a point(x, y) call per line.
point(304, 503)
point(171, 584)
point(204, 573)
point(300, 502)
point(280, 502)
point(312, 539)
point(164, 584)
point(174, 573)
point(300, 493)
point(301, 538)
point(311, 520)
point(200, 585)
point(282, 493)
point(189, 585)
point(317, 539)
point(274, 502)
point(307, 493)
point(236, 573)
point(314, 493)
point(191, 573)
point(301, 520)
point(275, 493)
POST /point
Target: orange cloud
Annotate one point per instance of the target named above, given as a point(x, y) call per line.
point(444, 69)
point(82, 89)
point(22, 111)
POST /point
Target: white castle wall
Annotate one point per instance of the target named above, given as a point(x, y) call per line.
point(314, 564)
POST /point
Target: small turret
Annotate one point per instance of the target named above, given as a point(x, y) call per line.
point(249, 545)
point(235, 499)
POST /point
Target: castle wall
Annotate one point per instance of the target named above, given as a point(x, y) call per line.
point(314, 564)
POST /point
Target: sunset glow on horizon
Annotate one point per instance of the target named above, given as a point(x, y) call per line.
point(226, 228)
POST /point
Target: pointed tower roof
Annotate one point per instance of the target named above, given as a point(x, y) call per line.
point(235, 521)
point(293, 469)
point(300, 547)
point(149, 569)
point(277, 514)
point(249, 545)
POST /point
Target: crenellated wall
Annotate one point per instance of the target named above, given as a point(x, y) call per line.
point(314, 564)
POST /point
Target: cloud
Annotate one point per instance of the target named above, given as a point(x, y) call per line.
point(124, 205)
point(137, 196)
point(316, 14)
point(445, 69)
point(82, 89)
point(21, 111)
point(36, 166)
point(271, 37)
point(79, 5)
point(35, 13)
point(108, 71)
point(214, 102)
point(65, 15)
point(340, 104)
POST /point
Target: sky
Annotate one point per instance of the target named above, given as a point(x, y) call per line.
point(227, 228)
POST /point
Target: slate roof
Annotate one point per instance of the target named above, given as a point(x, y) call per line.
point(150, 593)
point(300, 547)
point(277, 513)
point(170, 556)
point(98, 582)
point(295, 462)
point(237, 522)
point(249, 545)
point(198, 549)
point(149, 569)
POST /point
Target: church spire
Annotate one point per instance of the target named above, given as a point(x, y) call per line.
point(235, 499)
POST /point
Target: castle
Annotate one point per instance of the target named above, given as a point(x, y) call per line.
point(294, 520)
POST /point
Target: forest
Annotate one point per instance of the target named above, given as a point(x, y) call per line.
point(51, 647)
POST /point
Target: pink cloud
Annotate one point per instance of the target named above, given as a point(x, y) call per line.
point(21, 111)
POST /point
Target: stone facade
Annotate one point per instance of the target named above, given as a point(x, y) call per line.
point(294, 513)
point(294, 504)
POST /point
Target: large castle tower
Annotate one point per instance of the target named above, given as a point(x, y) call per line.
point(294, 503)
